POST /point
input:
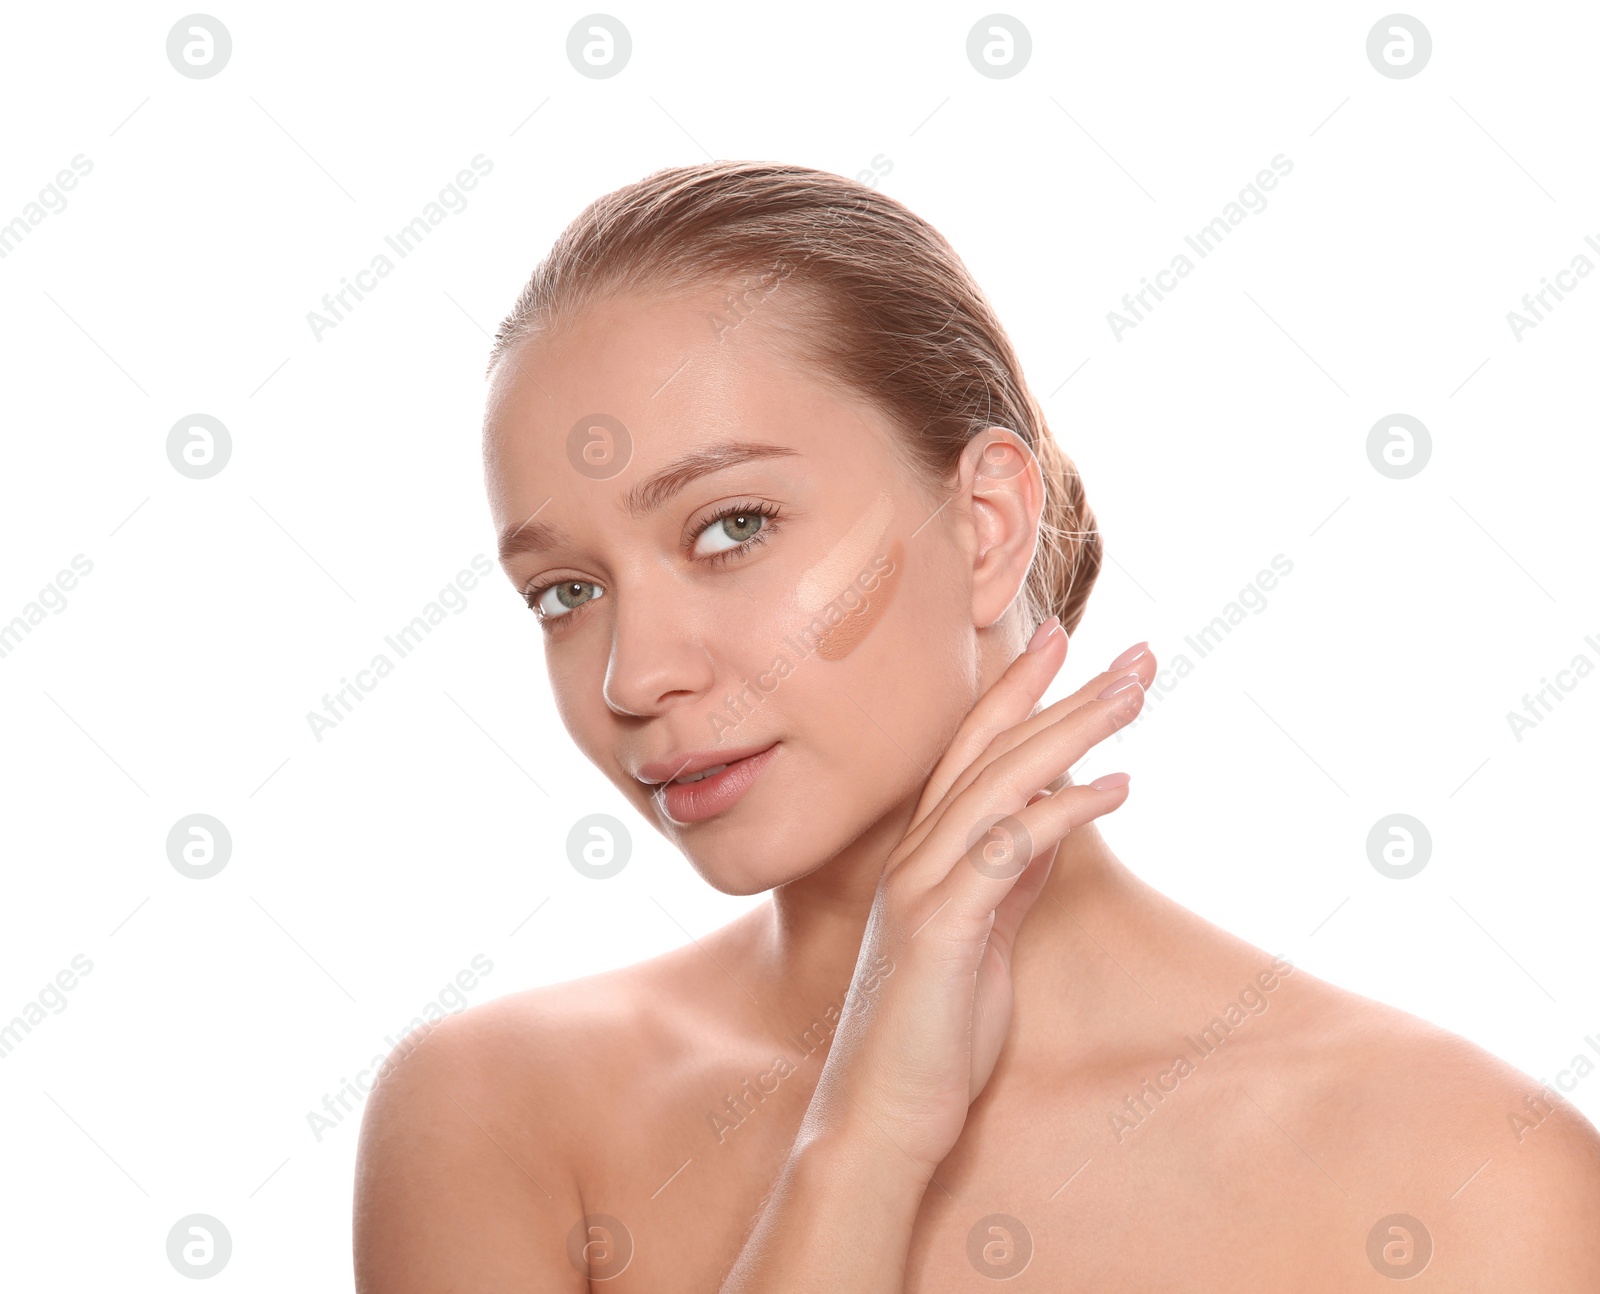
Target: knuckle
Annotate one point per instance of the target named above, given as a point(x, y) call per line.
point(999, 742)
point(990, 779)
point(898, 891)
point(1121, 707)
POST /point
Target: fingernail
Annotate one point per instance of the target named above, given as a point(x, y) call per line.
point(1128, 657)
point(1042, 632)
point(1110, 781)
point(1119, 685)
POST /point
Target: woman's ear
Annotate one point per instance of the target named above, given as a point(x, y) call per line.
point(1000, 480)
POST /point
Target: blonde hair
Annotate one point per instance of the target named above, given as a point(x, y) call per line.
point(882, 306)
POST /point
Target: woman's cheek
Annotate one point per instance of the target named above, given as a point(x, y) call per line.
point(577, 686)
point(863, 608)
point(828, 621)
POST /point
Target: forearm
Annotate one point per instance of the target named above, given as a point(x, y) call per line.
point(837, 1221)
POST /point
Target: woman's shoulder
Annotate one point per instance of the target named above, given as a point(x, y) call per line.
point(542, 1058)
point(455, 1148)
point(1339, 1048)
point(555, 1044)
point(489, 1122)
point(1409, 1120)
point(500, 1064)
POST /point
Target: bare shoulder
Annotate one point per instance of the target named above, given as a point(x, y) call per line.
point(1413, 1121)
point(460, 1181)
point(475, 1139)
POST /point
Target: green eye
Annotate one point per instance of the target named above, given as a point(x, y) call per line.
point(741, 526)
point(729, 532)
point(560, 599)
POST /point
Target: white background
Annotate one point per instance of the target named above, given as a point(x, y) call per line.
point(1228, 427)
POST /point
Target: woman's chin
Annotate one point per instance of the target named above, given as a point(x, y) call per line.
point(764, 862)
point(737, 873)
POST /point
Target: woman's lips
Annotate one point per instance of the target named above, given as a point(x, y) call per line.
point(687, 802)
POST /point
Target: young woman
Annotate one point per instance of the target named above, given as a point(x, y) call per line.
point(764, 465)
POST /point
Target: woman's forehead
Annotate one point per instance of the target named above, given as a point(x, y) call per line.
point(602, 392)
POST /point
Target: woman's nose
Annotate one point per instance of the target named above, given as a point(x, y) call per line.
point(658, 653)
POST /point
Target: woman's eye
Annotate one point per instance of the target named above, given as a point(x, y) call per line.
point(719, 536)
point(559, 599)
point(728, 532)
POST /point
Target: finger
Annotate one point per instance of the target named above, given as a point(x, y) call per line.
point(1143, 665)
point(1137, 662)
point(1009, 701)
point(979, 884)
point(1008, 782)
point(1009, 913)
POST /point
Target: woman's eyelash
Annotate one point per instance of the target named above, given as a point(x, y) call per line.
point(770, 511)
point(748, 508)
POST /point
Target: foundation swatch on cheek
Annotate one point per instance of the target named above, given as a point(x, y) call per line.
point(846, 559)
point(839, 640)
point(845, 593)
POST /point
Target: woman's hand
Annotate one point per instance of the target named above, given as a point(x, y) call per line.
point(930, 1004)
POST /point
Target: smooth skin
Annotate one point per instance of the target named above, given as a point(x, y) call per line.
point(962, 1040)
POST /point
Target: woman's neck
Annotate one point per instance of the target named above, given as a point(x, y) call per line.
point(1101, 959)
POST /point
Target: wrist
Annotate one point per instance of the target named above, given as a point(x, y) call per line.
point(854, 1152)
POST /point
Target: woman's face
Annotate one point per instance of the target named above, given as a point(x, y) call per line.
point(733, 565)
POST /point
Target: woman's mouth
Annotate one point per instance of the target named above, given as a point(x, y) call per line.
point(697, 796)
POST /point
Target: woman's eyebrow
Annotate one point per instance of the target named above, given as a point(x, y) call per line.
point(660, 486)
point(649, 494)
